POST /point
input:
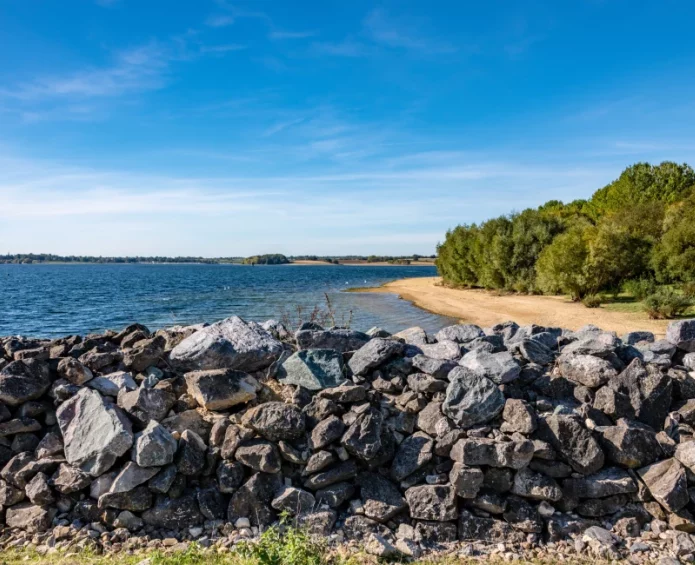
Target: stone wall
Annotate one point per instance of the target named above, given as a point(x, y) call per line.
point(514, 435)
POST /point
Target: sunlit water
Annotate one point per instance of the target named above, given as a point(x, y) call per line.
point(53, 300)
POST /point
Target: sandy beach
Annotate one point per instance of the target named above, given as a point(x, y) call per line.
point(486, 309)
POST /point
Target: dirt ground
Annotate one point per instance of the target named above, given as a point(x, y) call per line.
point(486, 309)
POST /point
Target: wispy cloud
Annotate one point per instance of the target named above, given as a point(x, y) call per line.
point(219, 20)
point(221, 49)
point(278, 34)
point(282, 126)
point(346, 48)
point(396, 33)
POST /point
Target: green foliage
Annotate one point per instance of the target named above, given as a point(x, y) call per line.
point(641, 226)
point(688, 289)
point(272, 259)
point(285, 546)
point(639, 288)
point(666, 303)
point(592, 301)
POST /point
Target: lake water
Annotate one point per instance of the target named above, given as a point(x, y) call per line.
point(46, 300)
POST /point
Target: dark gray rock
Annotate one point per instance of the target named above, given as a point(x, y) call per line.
point(682, 334)
point(609, 481)
point(326, 432)
point(460, 333)
point(467, 481)
point(518, 416)
point(474, 452)
point(259, 455)
point(522, 516)
point(68, 479)
point(529, 484)
point(38, 491)
point(342, 472)
point(73, 371)
point(630, 444)
point(25, 380)
point(131, 476)
point(252, 500)
point(230, 344)
point(380, 497)
point(145, 404)
point(432, 502)
point(499, 367)
point(438, 368)
point(587, 370)
point(30, 517)
point(313, 369)
point(230, 476)
point(373, 354)
point(666, 481)
point(363, 438)
point(413, 453)
point(211, 503)
point(173, 514)
point(471, 399)
point(136, 500)
point(293, 500)
point(474, 528)
point(573, 441)
point(445, 350)
point(341, 340)
point(154, 446)
point(534, 351)
point(190, 458)
point(335, 494)
point(276, 421)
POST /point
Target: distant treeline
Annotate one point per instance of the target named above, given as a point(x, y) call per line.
point(50, 258)
point(271, 259)
point(639, 227)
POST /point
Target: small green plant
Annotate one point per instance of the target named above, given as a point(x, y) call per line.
point(666, 303)
point(592, 301)
point(285, 545)
point(639, 288)
point(688, 289)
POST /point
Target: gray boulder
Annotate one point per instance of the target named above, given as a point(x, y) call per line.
point(38, 491)
point(518, 416)
point(471, 399)
point(68, 479)
point(95, 434)
point(432, 502)
point(253, 499)
point(536, 486)
point(363, 438)
point(445, 350)
point(460, 333)
point(500, 367)
point(413, 453)
point(667, 483)
point(633, 338)
point(131, 476)
point(682, 334)
point(610, 481)
point(534, 351)
point(466, 480)
point(154, 446)
point(260, 456)
point(381, 499)
point(25, 380)
point(73, 371)
point(145, 404)
point(294, 501)
point(230, 344)
point(630, 444)
point(113, 383)
point(326, 432)
point(191, 455)
point(313, 369)
point(413, 336)
point(373, 354)
point(474, 452)
point(220, 389)
point(438, 368)
point(276, 421)
point(174, 514)
point(573, 441)
point(341, 340)
point(30, 517)
point(587, 370)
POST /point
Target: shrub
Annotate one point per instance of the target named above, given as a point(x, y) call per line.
point(666, 303)
point(688, 289)
point(639, 288)
point(285, 546)
point(592, 301)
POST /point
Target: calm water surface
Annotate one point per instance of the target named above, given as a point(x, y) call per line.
point(55, 300)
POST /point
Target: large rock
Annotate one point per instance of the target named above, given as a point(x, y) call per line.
point(113, 383)
point(537, 486)
point(220, 389)
point(573, 441)
point(230, 344)
point(460, 333)
point(69, 479)
point(73, 371)
point(610, 481)
point(413, 453)
point(276, 421)
point(499, 367)
point(518, 416)
point(95, 433)
point(145, 353)
point(313, 369)
point(363, 438)
point(373, 354)
point(131, 476)
point(471, 399)
point(259, 455)
point(253, 500)
point(154, 446)
point(339, 339)
point(432, 502)
point(438, 368)
point(174, 514)
point(630, 444)
point(145, 404)
point(466, 480)
point(474, 452)
point(682, 334)
point(30, 517)
point(586, 370)
point(294, 501)
point(25, 380)
point(667, 483)
point(380, 497)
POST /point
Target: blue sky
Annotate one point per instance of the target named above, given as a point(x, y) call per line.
point(220, 128)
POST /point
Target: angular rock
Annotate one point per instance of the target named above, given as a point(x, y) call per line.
point(474, 452)
point(95, 433)
point(259, 455)
point(499, 367)
point(467, 481)
point(326, 432)
point(446, 350)
point(518, 416)
point(313, 369)
point(630, 444)
point(341, 340)
point(69, 479)
point(25, 380)
point(682, 334)
point(230, 476)
point(30, 517)
point(609, 481)
point(373, 354)
point(220, 389)
point(131, 476)
point(293, 500)
point(146, 404)
point(586, 370)
point(276, 421)
point(573, 441)
point(252, 500)
point(230, 344)
point(144, 353)
point(537, 486)
point(471, 399)
point(190, 458)
point(666, 481)
point(380, 497)
point(412, 336)
point(432, 502)
point(342, 472)
point(412, 454)
point(473, 528)
point(335, 494)
point(363, 437)
point(211, 503)
point(173, 514)
point(438, 368)
point(73, 371)
point(460, 333)
point(154, 446)
point(136, 500)
point(38, 491)
point(113, 383)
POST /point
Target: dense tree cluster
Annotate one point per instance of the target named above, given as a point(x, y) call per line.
point(640, 226)
point(24, 258)
point(271, 259)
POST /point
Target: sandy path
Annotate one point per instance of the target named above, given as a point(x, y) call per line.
point(485, 309)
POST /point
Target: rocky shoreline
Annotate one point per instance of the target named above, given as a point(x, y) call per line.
point(522, 442)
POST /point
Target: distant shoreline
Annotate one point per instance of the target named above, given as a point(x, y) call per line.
point(486, 309)
point(300, 263)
